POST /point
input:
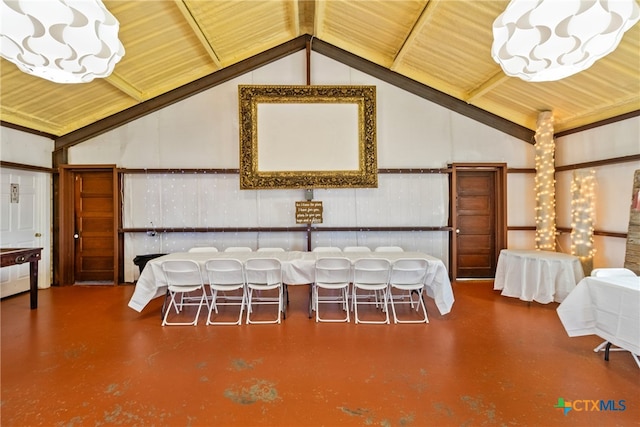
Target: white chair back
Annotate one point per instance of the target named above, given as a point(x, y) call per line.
point(326, 249)
point(389, 249)
point(263, 272)
point(333, 270)
point(371, 271)
point(270, 250)
point(225, 273)
point(612, 271)
point(238, 249)
point(356, 249)
point(408, 272)
point(182, 273)
point(203, 249)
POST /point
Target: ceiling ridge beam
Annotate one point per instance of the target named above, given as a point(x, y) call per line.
point(197, 30)
point(425, 16)
point(122, 85)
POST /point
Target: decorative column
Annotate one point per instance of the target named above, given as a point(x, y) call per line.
point(583, 217)
point(545, 183)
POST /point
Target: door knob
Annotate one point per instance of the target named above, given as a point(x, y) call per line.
point(75, 236)
point(457, 231)
point(38, 235)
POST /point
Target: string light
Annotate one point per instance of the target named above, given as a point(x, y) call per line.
point(583, 217)
point(545, 183)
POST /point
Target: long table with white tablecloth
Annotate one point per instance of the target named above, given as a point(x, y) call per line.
point(608, 307)
point(298, 268)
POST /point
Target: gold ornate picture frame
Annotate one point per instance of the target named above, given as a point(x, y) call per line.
point(307, 137)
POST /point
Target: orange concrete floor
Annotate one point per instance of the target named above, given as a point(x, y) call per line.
point(83, 358)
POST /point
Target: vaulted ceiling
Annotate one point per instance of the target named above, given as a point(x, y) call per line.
point(439, 49)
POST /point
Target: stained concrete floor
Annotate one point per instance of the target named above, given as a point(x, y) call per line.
point(83, 358)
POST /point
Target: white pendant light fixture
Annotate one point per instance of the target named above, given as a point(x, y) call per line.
point(65, 41)
point(547, 40)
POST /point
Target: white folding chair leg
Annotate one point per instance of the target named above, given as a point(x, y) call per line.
point(279, 303)
point(214, 307)
point(419, 304)
point(385, 301)
point(203, 299)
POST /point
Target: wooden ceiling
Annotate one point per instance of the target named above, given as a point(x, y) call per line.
point(437, 48)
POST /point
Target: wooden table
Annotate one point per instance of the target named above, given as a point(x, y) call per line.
point(15, 256)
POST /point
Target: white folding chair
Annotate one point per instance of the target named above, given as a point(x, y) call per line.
point(326, 249)
point(356, 249)
point(226, 276)
point(388, 249)
point(203, 249)
point(408, 275)
point(611, 272)
point(332, 274)
point(183, 279)
point(263, 274)
point(238, 249)
point(371, 274)
point(270, 250)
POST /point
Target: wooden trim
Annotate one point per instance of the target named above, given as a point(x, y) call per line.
point(415, 171)
point(423, 91)
point(27, 130)
point(189, 171)
point(276, 229)
point(521, 228)
point(567, 230)
point(21, 166)
point(180, 93)
point(521, 170)
point(597, 163)
point(604, 122)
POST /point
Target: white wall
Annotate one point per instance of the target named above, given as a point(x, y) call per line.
point(202, 132)
point(614, 183)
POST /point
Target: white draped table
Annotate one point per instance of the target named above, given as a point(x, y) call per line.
point(298, 268)
point(541, 276)
point(608, 307)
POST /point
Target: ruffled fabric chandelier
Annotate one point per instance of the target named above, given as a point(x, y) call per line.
point(65, 41)
point(547, 40)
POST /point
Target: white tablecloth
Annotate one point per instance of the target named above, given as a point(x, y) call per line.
point(298, 268)
point(608, 307)
point(540, 276)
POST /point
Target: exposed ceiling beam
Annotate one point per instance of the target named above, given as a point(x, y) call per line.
point(424, 91)
point(198, 32)
point(423, 19)
point(180, 93)
point(121, 84)
point(497, 79)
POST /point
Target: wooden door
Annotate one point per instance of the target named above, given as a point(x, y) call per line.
point(94, 248)
point(478, 219)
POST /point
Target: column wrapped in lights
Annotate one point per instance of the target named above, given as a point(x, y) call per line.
point(545, 183)
point(583, 217)
point(64, 41)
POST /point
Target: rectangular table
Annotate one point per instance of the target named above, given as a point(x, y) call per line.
point(15, 256)
point(541, 276)
point(298, 268)
point(608, 307)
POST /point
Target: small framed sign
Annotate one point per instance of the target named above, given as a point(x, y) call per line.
point(309, 212)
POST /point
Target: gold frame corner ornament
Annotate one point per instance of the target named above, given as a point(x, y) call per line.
point(252, 178)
